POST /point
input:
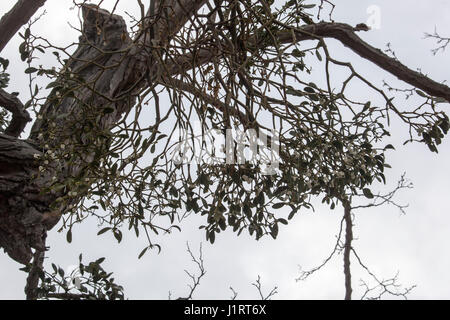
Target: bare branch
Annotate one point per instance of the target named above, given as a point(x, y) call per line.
point(337, 247)
point(385, 286)
point(347, 36)
point(12, 21)
point(382, 199)
point(234, 296)
point(194, 278)
point(441, 41)
point(258, 286)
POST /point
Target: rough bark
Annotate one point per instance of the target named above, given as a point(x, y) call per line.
point(19, 15)
point(20, 116)
point(348, 248)
point(25, 214)
point(20, 203)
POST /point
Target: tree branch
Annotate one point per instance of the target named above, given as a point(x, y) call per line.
point(20, 117)
point(194, 278)
point(13, 20)
point(345, 34)
point(177, 13)
point(348, 248)
point(69, 296)
point(33, 275)
point(258, 286)
point(246, 120)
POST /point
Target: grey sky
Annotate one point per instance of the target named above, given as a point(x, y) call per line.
point(414, 244)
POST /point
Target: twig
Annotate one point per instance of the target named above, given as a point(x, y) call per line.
point(234, 296)
point(195, 279)
point(386, 286)
point(258, 286)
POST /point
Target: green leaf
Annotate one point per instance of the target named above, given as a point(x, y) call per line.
point(103, 230)
point(278, 205)
point(318, 55)
point(53, 84)
point(4, 63)
point(69, 236)
point(22, 47)
point(367, 193)
point(212, 237)
point(118, 235)
point(142, 252)
point(293, 212)
point(108, 110)
point(274, 231)
point(30, 70)
point(420, 93)
point(309, 90)
point(297, 53)
point(366, 106)
point(247, 210)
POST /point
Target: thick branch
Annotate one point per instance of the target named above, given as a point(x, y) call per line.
point(169, 17)
point(12, 21)
point(20, 117)
point(347, 36)
point(33, 275)
point(339, 31)
point(20, 203)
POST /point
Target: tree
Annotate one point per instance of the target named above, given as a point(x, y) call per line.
point(225, 64)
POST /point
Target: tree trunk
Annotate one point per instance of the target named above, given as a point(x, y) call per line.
point(21, 207)
point(99, 83)
point(104, 63)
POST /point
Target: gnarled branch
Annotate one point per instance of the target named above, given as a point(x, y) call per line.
point(347, 36)
point(20, 117)
point(13, 20)
point(342, 32)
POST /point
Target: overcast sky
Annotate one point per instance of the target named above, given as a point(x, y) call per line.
point(415, 244)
